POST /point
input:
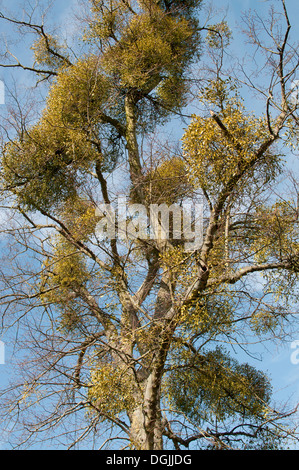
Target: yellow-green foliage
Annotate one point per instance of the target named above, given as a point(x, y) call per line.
point(48, 52)
point(275, 231)
point(67, 268)
point(212, 383)
point(145, 50)
point(77, 96)
point(148, 51)
point(175, 260)
point(276, 237)
point(215, 156)
point(211, 313)
point(38, 168)
point(264, 320)
point(150, 46)
point(80, 218)
point(108, 20)
point(43, 165)
point(111, 390)
point(219, 35)
point(61, 279)
point(167, 183)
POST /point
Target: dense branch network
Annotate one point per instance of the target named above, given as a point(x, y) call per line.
point(125, 331)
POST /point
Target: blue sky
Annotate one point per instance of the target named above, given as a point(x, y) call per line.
point(276, 360)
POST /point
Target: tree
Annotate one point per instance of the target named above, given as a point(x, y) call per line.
point(125, 332)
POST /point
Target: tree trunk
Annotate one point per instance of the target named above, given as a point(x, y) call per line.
point(146, 423)
point(146, 420)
